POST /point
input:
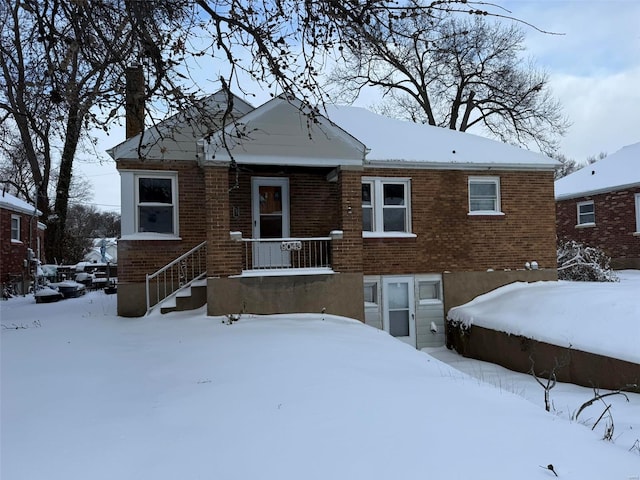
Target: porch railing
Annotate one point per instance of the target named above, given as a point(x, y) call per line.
point(286, 253)
point(180, 273)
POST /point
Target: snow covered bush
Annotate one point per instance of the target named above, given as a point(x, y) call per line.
point(579, 262)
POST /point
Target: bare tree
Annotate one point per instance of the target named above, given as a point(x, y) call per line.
point(566, 167)
point(84, 224)
point(441, 69)
point(570, 165)
point(59, 61)
point(62, 64)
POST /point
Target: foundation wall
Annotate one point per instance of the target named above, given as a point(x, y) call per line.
point(338, 294)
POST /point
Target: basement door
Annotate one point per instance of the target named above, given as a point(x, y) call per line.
point(398, 312)
point(270, 216)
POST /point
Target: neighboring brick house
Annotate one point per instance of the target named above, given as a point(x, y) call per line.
point(21, 238)
point(385, 221)
point(599, 205)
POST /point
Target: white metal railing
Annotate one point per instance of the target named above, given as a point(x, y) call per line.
point(286, 253)
point(178, 274)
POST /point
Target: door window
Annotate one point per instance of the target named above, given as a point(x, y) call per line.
point(270, 211)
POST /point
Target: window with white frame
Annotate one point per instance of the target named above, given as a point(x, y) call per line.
point(156, 203)
point(15, 228)
point(484, 195)
point(428, 291)
point(586, 213)
point(638, 212)
point(385, 205)
point(370, 293)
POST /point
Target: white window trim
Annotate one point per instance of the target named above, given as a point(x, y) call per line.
point(129, 202)
point(433, 279)
point(19, 219)
point(496, 181)
point(580, 224)
point(377, 196)
point(375, 283)
point(637, 214)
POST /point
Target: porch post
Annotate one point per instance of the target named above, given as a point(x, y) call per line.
point(224, 256)
point(347, 252)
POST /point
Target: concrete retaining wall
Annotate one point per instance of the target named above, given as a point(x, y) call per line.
point(517, 353)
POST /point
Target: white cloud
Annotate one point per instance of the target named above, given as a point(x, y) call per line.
point(604, 111)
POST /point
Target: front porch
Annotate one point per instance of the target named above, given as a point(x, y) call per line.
point(281, 275)
point(280, 213)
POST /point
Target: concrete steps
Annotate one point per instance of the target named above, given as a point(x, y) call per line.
point(190, 298)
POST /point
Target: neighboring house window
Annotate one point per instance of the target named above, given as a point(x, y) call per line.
point(15, 228)
point(586, 213)
point(484, 195)
point(637, 212)
point(385, 205)
point(156, 203)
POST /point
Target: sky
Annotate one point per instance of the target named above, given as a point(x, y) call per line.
point(185, 395)
point(593, 61)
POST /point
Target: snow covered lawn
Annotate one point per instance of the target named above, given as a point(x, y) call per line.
point(89, 395)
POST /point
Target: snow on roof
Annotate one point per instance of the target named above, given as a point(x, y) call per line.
point(396, 141)
point(175, 137)
point(283, 132)
point(9, 202)
point(614, 172)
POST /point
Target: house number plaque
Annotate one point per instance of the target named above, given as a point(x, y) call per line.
point(290, 246)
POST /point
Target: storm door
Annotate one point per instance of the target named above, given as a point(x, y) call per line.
point(399, 318)
point(270, 216)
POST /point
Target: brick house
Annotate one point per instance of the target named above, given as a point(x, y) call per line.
point(20, 234)
point(283, 210)
point(599, 205)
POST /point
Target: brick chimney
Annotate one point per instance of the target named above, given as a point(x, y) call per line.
point(134, 101)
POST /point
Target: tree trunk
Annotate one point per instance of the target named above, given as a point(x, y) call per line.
point(56, 241)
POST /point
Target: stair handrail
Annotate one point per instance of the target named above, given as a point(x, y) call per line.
point(202, 273)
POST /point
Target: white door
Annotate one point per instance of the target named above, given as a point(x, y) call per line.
point(398, 317)
point(270, 212)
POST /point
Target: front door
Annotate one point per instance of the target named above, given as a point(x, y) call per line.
point(398, 317)
point(270, 215)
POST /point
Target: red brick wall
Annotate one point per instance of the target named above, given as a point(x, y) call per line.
point(615, 223)
point(348, 252)
point(449, 239)
point(13, 254)
point(314, 200)
point(139, 257)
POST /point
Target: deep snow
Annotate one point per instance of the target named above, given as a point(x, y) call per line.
point(602, 318)
point(86, 394)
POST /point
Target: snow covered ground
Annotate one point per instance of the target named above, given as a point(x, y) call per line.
point(89, 395)
point(602, 318)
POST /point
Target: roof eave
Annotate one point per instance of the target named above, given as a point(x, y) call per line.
point(460, 165)
point(597, 191)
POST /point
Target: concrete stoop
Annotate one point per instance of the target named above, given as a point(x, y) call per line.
point(190, 298)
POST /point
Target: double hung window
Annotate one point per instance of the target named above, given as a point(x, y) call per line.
point(586, 213)
point(385, 205)
point(156, 203)
point(15, 228)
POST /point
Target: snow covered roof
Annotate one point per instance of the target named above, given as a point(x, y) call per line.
point(392, 141)
point(279, 132)
point(614, 172)
point(9, 202)
point(283, 131)
point(175, 138)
